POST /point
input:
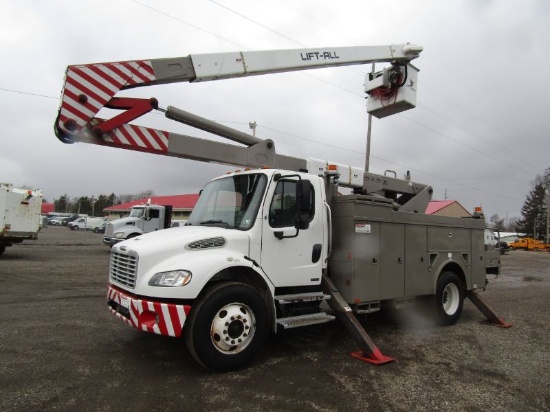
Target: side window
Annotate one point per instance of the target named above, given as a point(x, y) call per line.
point(282, 210)
point(154, 213)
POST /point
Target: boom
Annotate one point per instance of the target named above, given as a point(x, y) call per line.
point(89, 88)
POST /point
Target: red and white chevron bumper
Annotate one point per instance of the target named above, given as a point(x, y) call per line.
point(150, 316)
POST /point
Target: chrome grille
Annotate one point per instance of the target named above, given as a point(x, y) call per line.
point(123, 269)
point(109, 229)
point(207, 243)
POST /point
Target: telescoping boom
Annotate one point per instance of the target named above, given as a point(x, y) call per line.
point(89, 88)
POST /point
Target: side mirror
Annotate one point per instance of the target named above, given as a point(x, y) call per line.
point(303, 204)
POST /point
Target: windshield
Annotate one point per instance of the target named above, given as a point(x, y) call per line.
point(136, 212)
point(231, 202)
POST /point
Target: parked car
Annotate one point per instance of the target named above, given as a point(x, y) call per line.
point(55, 221)
point(503, 246)
point(100, 228)
point(65, 221)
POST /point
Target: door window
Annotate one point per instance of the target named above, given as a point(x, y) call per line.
point(282, 210)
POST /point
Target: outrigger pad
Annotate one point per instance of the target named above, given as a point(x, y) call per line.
point(374, 358)
point(501, 323)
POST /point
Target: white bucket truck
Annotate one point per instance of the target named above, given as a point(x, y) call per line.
point(265, 246)
point(19, 214)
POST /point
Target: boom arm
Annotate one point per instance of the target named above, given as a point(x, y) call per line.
point(88, 88)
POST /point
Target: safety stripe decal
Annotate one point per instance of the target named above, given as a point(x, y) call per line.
point(139, 137)
point(99, 83)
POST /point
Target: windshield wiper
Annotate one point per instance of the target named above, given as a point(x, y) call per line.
point(215, 222)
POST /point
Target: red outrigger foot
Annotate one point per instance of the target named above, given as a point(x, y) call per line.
point(501, 323)
point(376, 358)
point(492, 318)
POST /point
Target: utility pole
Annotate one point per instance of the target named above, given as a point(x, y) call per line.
point(253, 125)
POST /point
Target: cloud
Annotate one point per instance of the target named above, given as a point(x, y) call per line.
point(477, 135)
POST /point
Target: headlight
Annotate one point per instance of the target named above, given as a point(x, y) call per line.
point(172, 278)
point(118, 235)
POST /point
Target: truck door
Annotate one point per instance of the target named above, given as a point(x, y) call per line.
point(292, 257)
point(152, 220)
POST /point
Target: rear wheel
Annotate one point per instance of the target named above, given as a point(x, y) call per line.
point(228, 327)
point(2, 249)
point(449, 298)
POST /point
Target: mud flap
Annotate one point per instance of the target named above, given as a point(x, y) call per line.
point(368, 352)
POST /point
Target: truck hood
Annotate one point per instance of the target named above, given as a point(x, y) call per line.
point(201, 250)
point(117, 223)
point(178, 238)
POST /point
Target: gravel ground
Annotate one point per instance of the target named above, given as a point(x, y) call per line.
point(61, 349)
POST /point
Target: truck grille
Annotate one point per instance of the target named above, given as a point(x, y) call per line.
point(109, 229)
point(123, 269)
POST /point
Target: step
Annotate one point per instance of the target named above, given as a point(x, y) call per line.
point(301, 297)
point(305, 320)
point(366, 308)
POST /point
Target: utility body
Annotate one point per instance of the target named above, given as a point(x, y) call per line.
point(529, 243)
point(142, 219)
point(19, 214)
point(265, 246)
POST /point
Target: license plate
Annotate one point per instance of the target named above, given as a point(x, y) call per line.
point(124, 302)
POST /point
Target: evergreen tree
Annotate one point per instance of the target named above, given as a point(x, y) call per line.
point(533, 212)
point(62, 204)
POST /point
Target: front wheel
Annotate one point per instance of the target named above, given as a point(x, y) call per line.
point(228, 327)
point(449, 299)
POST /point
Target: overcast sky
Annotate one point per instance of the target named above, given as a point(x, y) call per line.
point(479, 134)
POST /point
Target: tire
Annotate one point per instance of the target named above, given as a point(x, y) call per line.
point(74, 227)
point(2, 249)
point(228, 327)
point(449, 299)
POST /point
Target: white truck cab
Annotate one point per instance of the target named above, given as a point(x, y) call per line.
point(142, 219)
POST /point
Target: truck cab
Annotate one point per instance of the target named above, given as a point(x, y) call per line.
point(241, 223)
point(142, 219)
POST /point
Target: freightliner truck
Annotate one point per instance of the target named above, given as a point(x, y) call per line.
point(142, 219)
point(273, 244)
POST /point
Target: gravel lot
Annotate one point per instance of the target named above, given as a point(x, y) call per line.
point(61, 349)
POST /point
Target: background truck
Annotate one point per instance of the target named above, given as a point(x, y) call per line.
point(86, 223)
point(142, 219)
point(267, 247)
point(19, 214)
point(528, 243)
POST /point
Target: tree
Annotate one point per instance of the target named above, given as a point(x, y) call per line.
point(512, 223)
point(136, 196)
point(62, 204)
point(533, 212)
point(497, 223)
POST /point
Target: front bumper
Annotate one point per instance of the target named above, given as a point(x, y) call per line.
point(111, 241)
point(150, 316)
